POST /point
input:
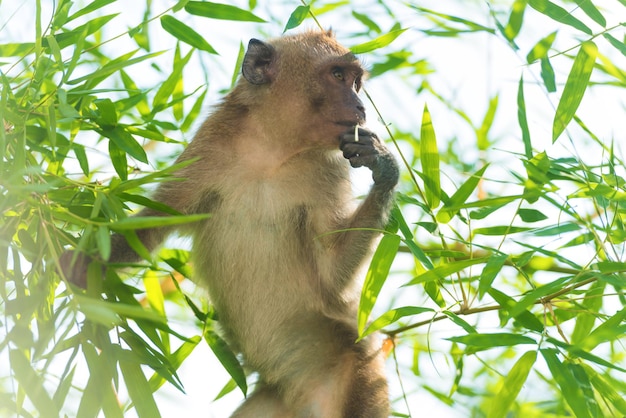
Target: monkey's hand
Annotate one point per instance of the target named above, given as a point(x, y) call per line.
point(369, 151)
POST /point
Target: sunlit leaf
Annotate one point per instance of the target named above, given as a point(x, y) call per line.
point(559, 14)
point(484, 341)
point(575, 87)
point(377, 43)
point(297, 17)
point(139, 390)
point(32, 384)
point(221, 11)
point(185, 33)
point(429, 156)
point(458, 199)
point(569, 388)
point(392, 316)
point(376, 276)
point(445, 270)
point(490, 271)
point(228, 359)
point(511, 386)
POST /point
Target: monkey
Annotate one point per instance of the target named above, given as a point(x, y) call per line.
point(280, 253)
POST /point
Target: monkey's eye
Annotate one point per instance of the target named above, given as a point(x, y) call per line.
point(338, 73)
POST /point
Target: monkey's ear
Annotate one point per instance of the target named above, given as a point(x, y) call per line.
point(258, 62)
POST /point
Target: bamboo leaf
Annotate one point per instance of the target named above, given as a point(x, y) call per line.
point(484, 341)
point(531, 215)
point(522, 119)
point(297, 17)
point(377, 43)
point(376, 276)
point(516, 19)
point(512, 384)
point(541, 49)
point(590, 10)
point(228, 359)
point(392, 316)
point(32, 384)
point(185, 34)
point(490, 271)
point(569, 388)
point(605, 389)
point(559, 14)
point(458, 199)
point(126, 142)
point(429, 156)
point(144, 222)
point(139, 390)
point(443, 271)
point(221, 11)
point(575, 87)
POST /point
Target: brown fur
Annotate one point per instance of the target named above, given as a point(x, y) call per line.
point(272, 174)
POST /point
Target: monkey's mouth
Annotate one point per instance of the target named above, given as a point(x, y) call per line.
point(349, 124)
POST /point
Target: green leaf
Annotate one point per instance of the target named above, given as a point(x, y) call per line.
point(376, 276)
point(484, 341)
point(590, 10)
point(167, 87)
point(185, 33)
point(570, 390)
point(490, 271)
point(575, 87)
point(221, 11)
point(445, 270)
point(139, 390)
point(377, 43)
point(113, 67)
point(541, 49)
point(457, 200)
point(119, 161)
point(91, 7)
point(559, 14)
point(535, 295)
point(392, 316)
point(516, 18)
point(32, 384)
point(228, 359)
point(125, 141)
point(531, 215)
point(500, 230)
point(610, 330)
point(621, 46)
point(482, 134)
point(522, 119)
point(605, 389)
point(297, 17)
point(144, 222)
point(547, 75)
point(511, 386)
point(429, 156)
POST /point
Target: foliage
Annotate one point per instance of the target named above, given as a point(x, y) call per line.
point(508, 235)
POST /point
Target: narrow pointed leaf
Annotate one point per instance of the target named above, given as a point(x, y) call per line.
point(590, 10)
point(492, 340)
point(443, 271)
point(512, 384)
point(559, 14)
point(392, 316)
point(516, 18)
point(522, 119)
point(297, 17)
point(221, 11)
point(185, 34)
point(377, 43)
point(32, 384)
point(457, 200)
point(228, 359)
point(570, 390)
point(575, 87)
point(376, 276)
point(429, 156)
point(139, 390)
point(490, 271)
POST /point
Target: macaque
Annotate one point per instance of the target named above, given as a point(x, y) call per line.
point(281, 251)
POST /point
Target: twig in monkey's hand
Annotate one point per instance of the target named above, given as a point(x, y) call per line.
point(356, 133)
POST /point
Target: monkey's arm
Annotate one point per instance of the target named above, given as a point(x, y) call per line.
point(184, 196)
point(368, 151)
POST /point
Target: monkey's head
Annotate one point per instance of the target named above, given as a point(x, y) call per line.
point(308, 82)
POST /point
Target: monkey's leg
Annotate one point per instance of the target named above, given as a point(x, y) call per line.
point(265, 402)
